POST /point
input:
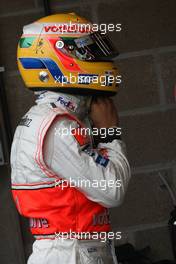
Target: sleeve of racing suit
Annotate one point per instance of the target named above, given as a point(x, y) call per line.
point(102, 179)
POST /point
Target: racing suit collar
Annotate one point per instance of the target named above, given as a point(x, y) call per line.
point(77, 105)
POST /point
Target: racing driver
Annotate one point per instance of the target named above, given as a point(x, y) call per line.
point(58, 164)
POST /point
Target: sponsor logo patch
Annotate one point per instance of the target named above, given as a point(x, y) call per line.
point(101, 219)
point(66, 28)
point(66, 102)
point(102, 161)
point(38, 223)
point(25, 121)
point(26, 42)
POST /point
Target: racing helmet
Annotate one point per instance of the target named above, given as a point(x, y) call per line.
point(62, 52)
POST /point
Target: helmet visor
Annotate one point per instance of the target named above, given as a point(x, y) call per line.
point(93, 47)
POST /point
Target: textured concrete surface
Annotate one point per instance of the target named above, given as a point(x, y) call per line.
point(156, 238)
point(16, 5)
point(150, 138)
point(139, 83)
point(23, 98)
point(146, 24)
point(168, 66)
point(11, 247)
point(146, 201)
point(159, 241)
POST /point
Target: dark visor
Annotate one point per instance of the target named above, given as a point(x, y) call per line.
point(93, 47)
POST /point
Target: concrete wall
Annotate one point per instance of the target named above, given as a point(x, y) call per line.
point(147, 61)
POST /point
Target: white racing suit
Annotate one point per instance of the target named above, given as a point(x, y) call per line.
point(65, 186)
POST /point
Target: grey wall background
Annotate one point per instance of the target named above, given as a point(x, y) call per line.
point(147, 61)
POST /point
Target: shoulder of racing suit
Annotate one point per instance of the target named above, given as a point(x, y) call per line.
point(29, 138)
